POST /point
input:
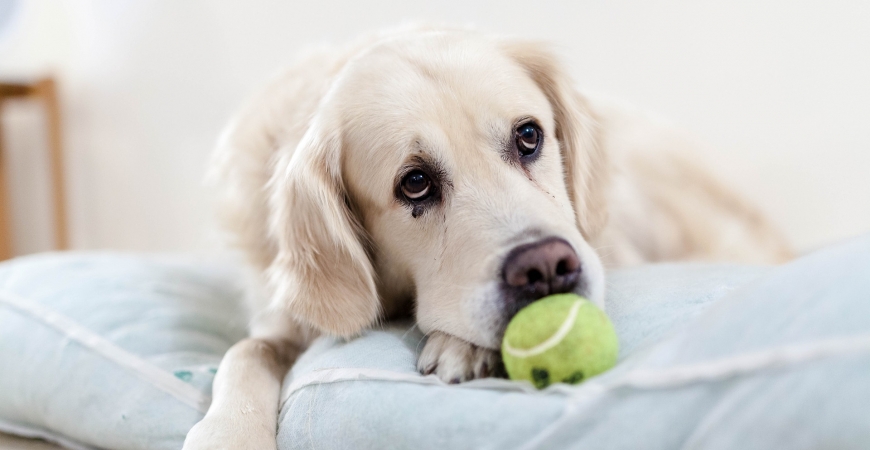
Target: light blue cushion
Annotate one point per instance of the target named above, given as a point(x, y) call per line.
point(110, 350)
point(713, 357)
point(118, 351)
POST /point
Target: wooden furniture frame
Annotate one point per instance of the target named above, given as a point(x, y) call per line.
point(45, 91)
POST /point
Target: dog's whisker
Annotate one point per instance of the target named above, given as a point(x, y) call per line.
point(409, 330)
point(603, 247)
point(605, 255)
point(417, 349)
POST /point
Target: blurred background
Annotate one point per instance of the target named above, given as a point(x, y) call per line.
point(779, 88)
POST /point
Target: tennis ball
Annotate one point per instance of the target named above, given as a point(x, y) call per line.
point(560, 338)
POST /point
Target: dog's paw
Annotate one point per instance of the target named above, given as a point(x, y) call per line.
point(224, 433)
point(455, 360)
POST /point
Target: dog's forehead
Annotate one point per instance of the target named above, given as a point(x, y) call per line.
point(445, 95)
point(429, 78)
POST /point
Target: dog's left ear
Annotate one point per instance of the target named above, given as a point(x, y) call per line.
point(322, 274)
point(586, 168)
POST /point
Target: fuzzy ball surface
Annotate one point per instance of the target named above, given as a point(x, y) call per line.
point(561, 338)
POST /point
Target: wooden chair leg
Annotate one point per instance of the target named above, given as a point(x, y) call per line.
point(5, 220)
point(47, 90)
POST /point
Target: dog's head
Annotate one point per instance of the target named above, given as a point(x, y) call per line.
point(446, 168)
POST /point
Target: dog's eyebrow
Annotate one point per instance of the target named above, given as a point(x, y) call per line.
point(425, 162)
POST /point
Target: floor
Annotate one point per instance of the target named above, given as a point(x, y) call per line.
point(8, 442)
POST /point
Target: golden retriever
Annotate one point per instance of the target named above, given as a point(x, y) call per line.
point(451, 175)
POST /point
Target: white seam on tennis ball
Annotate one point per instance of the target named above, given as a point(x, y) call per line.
point(552, 341)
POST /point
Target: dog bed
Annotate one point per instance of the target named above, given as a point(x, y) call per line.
point(118, 351)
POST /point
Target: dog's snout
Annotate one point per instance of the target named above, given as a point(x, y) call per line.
point(535, 270)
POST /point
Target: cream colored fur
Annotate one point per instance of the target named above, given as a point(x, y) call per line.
point(309, 171)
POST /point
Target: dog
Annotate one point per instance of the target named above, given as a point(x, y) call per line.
point(453, 176)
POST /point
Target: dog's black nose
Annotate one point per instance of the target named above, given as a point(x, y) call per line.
point(538, 269)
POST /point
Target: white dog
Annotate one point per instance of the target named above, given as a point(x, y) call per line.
point(452, 175)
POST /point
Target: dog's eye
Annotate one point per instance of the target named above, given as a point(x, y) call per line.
point(528, 139)
point(416, 185)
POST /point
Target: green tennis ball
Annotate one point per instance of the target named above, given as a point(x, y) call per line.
point(561, 338)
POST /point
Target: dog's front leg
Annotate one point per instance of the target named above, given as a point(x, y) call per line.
point(245, 395)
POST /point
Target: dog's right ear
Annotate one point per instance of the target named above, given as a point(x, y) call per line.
point(322, 274)
point(576, 130)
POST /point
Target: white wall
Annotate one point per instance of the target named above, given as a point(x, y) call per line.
point(779, 87)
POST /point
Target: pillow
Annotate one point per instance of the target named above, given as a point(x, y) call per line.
point(118, 351)
point(782, 361)
point(111, 350)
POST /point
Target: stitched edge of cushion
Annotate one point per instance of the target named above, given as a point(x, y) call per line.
point(38, 433)
point(718, 369)
point(151, 374)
